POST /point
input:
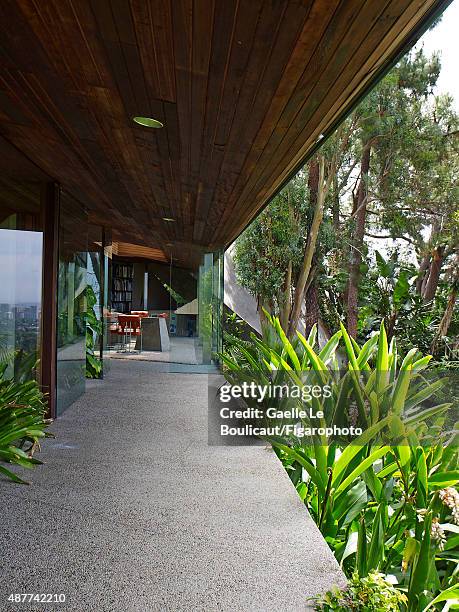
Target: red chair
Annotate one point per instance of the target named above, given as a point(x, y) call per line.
point(140, 313)
point(128, 326)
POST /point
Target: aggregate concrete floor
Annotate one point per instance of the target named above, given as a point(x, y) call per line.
point(133, 511)
point(182, 350)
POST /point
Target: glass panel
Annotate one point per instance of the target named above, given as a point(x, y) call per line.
point(21, 260)
point(109, 322)
point(71, 324)
point(94, 301)
point(205, 308)
point(210, 306)
point(217, 304)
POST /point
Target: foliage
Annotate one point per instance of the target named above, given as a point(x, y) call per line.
point(93, 329)
point(276, 237)
point(388, 243)
point(370, 594)
point(236, 331)
point(388, 294)
point(20, 364)
point(178, 299)
point(22, 423)
point(378, 499)
point(6, 352)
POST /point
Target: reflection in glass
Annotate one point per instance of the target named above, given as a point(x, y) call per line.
point(21, 249)
point(210, 306)
point(108, 322)
point(94, 301)
point(71, 303)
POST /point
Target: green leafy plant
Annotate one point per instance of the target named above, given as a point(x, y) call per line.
point(22, 423)
point(378, 499)
point(6, 352)
point(370, 594)
point(93, 329)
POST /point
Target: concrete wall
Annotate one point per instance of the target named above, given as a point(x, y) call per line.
point(240, 301)
point(237, 298)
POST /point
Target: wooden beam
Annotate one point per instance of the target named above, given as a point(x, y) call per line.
point(48, 340)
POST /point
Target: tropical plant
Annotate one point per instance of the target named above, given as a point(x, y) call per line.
point(370, 594)
point(389, 294)
point(6, 352)
point(93, 329)
point(378, 499)
point(22, 423)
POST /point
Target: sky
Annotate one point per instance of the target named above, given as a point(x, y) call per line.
point(20, 271)
point(445, 38)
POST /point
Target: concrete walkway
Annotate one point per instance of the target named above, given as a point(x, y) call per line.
point(182, 350)
point(133, 511)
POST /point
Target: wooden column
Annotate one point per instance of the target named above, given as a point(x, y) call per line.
point(51, 198)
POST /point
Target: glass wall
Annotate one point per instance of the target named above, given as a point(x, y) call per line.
point(210, 306)
point(106, 303)
point(21, 261)
point(71, 302)
point(218, 296)
point(94, 302)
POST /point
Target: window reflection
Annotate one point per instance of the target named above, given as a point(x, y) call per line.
point(71, 303)
point(21, 257)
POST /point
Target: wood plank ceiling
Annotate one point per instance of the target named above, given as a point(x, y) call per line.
point(244, 89)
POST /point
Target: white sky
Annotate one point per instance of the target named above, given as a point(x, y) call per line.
point(445, 39)
point(20, 270)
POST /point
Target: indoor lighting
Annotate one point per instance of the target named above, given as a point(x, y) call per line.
point(148, 122)
point(169, 219)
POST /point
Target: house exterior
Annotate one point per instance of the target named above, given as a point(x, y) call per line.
point(149, 134)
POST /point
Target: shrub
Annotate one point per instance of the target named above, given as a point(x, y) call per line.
point(370, 594)
point(22, 423)
point(384, 502)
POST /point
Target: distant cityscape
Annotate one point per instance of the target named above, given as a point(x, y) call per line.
point(20, 312)
point(22, 320)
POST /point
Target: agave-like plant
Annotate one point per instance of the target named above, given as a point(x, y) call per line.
point(22, 423)
point(376, 498)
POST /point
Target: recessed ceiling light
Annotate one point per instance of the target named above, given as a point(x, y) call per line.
point(148, 122)
point(169, 219)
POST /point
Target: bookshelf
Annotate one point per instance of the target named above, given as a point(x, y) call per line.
point(122, 279)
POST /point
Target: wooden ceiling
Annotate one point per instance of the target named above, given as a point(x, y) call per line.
point(244, 89)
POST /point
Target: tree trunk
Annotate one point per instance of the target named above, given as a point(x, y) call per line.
point(317, 198)
point(360, 213)
point(423, 267)
point(430, 287)
point(263, 305)
point(450, 306)
point(423, 272)
point(336, 204)
point(286, 299)
point(445, 320)
point(312, 307)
